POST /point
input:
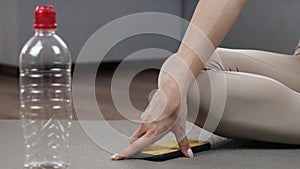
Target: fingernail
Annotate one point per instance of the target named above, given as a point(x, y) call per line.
point(190, 153)
point(114, 156)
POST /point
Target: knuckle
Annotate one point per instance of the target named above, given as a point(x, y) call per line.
point(144, 117)
point(142, 126)
point(184, 145)
point(136, 146)
point(153, 132)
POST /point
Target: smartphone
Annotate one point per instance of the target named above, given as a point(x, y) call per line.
point(167, 150)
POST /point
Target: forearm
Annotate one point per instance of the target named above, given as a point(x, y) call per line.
point(214, 18)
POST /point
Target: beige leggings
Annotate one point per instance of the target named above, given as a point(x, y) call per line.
point(262, 100)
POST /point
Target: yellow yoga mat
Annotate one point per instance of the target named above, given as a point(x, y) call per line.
point(169, 149)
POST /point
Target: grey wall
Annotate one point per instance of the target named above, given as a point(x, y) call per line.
point(8, 32)
point(78, 20)
point(272, 25)
point(1, 33)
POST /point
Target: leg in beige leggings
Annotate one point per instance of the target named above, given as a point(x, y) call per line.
point(262, 99)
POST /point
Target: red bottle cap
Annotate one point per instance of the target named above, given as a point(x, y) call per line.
point(45, 17)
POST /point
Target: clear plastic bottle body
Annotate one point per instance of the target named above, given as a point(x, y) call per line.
point(45, 100)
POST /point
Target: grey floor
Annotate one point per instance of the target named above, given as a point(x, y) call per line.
point(86, 154)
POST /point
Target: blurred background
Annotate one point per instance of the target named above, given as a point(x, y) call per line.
point(272, 25)
point(267, 25)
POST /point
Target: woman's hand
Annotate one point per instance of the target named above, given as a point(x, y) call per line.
point(167, 112)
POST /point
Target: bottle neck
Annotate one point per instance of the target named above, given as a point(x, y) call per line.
point(47, 32)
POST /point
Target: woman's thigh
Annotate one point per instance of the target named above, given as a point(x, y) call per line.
point(259, 101)
point(283, 68)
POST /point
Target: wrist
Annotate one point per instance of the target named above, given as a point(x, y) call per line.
point(176, 73)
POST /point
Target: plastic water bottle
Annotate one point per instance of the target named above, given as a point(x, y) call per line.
point(45, 95)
